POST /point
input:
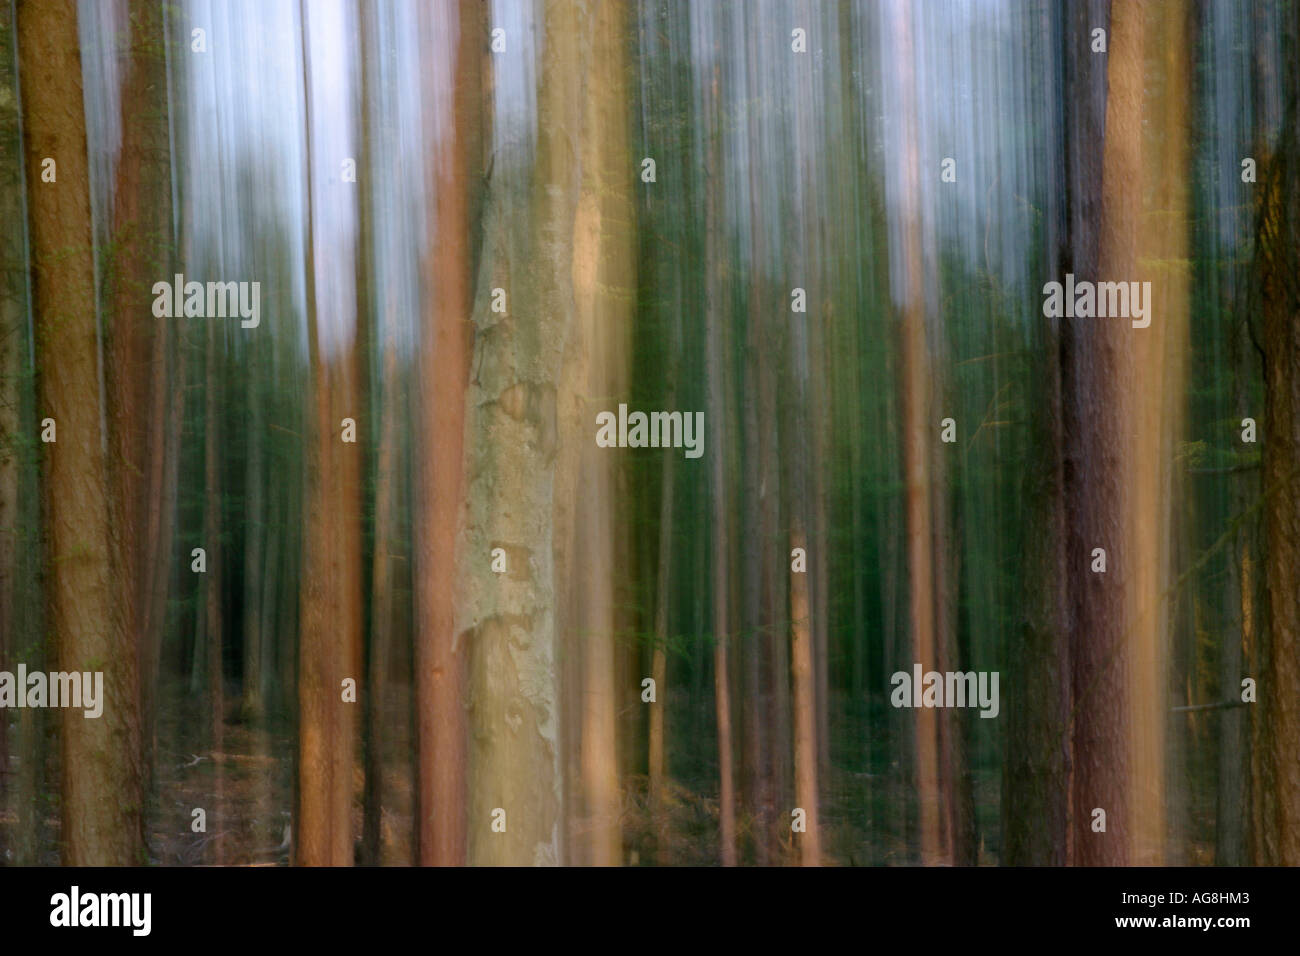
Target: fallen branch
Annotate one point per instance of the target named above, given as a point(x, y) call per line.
point(1219, 706)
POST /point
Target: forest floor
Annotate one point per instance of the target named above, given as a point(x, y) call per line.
point(246, 794)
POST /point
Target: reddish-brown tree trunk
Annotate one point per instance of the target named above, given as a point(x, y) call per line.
point(330, 616)
point(87, 614)
point(440, 660)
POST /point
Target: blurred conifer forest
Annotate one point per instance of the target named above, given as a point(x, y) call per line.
point(559, 432)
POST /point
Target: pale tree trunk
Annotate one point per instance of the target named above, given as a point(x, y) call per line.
point(506, 621)
point(1158, 385)
point(440, 658)
point(86, 611)
point(587, 528)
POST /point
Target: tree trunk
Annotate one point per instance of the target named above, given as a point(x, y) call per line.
point(507, 621)
point(137, 344)
point(805, 710)
point(918, 434)
point(21, 639)
point(330, 617)
point(440, 659)
point(1279, 237)
point(1036, 768)
point(86, 611)
point(212, 580)
point(1099, 410)
point(587, 528)
point(717, 408)
point(1037, 777)
point(381, 609)
point(1158, 381)
point(659, 655)
point(254, 542)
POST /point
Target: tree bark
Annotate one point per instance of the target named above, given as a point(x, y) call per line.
point(507, 621)
point(101, 797)
point(381, 610)
point(805, 710)
point(255, 537)
point(21, 639)
point(330, 616)
point(1277, 240)
point(212, 582)
point(588, 528)
point(718, 417)
point(659, 654)
point(918, 433)
point(137, 344)
point(440, 658)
